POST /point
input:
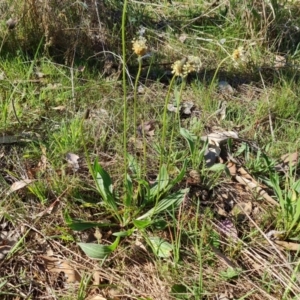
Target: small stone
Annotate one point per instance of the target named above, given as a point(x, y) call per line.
point(225, 88)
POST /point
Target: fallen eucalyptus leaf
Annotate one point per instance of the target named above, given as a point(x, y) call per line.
point(288, 245)
point(276, 234)
point(173, 108)
point(253, 186)
point(60, 108)
point(97, 297)
point(182, 37)
point(141, 89)
point(146, 128)
point(279, 61)
point(187, 107)
point(19, 185)
point(287, 161)
point(56, 265)
point(39, 75)
point(217, 138)
point(232, 168)
point(7, 240)
point(72, 159)
point(241, 210)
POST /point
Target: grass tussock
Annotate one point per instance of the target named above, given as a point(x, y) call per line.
point(149, 150)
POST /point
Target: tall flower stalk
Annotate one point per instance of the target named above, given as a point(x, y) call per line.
point(139, 46)
point(124, 89)
point(237, 56)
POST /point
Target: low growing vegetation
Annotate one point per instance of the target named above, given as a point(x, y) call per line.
point(149, 150)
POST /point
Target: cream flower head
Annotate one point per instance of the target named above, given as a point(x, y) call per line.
point(186, 65)
point(177, 67)
point(193, 64)
point(239, 54)
point(139, 46)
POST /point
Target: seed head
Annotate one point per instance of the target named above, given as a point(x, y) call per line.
point(139, 46)
point(239, 54)
point(193, 64)
point(177, 67)
point(186, 65)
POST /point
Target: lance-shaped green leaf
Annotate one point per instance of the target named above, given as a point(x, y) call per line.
point(179, 177)
point(173, 200)
point(160, 247)
point(104, 186)
point(161, 183)
point(142, 224)
point(97, 251)
point(189, 138)
point(134, 166)
point(79, 225)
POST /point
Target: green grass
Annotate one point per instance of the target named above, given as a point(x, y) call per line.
point(143, 216)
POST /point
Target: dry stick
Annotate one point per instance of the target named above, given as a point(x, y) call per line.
point(258, 189)
point(100, 27)
point(98, 16)
point(269, 111)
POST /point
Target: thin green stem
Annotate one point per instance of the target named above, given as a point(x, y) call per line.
point(135, 97)
point(183, 83)
point(124, 89)
point(164, 128)
point(177, 116)
point(218, 68)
